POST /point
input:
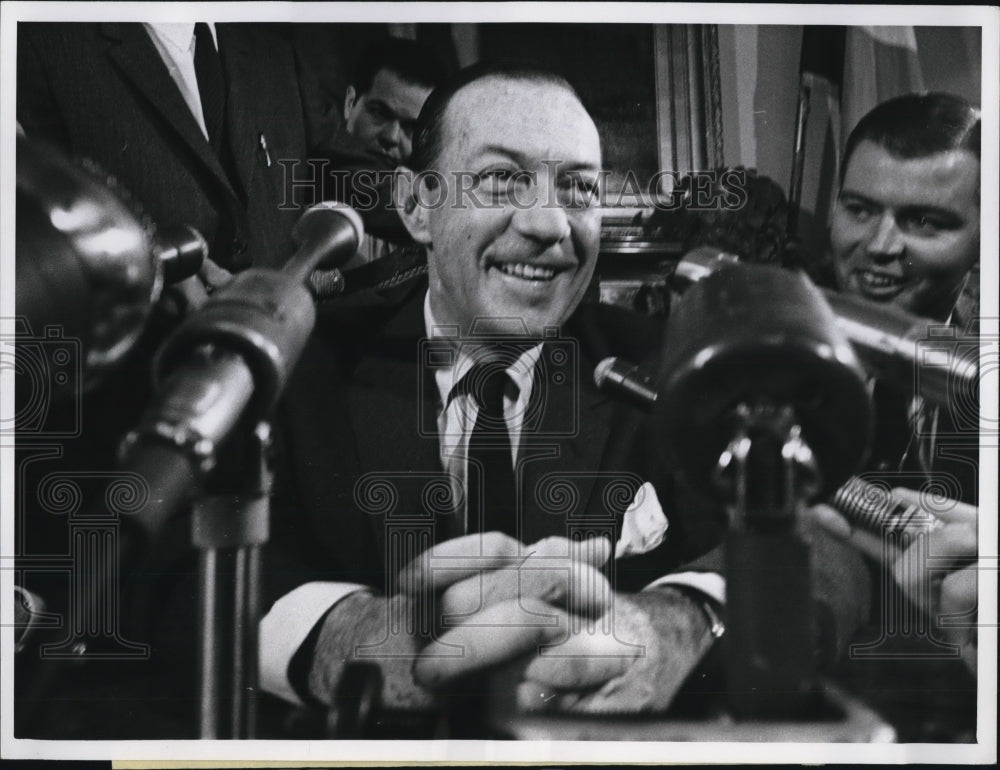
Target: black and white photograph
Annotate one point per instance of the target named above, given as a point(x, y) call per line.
point(499, 382)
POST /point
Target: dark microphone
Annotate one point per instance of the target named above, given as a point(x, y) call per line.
point(627, 381)
point(89, 267)
point(908, 350)
point(893, 345)
point(230, 359)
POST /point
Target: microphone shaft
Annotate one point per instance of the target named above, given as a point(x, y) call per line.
point(626, 380)
point(900, 348)
point(175, 444)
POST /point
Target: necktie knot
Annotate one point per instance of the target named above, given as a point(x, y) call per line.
point(487, 382)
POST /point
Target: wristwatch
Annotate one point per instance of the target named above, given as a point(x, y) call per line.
point(715, 623)
point(709, 607)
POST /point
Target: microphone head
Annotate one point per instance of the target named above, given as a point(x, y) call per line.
point(625, 380)
point(759, 336)
point(326, 236)
point(352, 216)
point(603, 369)
point(85, 265)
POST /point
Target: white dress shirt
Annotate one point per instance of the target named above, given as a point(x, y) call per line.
point(457, 413)
point(175, 44)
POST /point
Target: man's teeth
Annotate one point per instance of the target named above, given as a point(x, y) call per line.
point(528, 272)
point(880, 280)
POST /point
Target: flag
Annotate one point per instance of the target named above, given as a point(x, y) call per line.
point(879, 63)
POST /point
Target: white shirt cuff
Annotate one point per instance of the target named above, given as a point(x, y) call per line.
point(287, 625)
point(710, 583)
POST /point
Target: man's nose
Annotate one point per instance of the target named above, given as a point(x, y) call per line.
point(543, 220)
point(390, 133)
point(886, 242)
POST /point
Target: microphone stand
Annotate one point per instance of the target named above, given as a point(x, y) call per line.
point(221, 373)
point(229, 528)
point(769, 473)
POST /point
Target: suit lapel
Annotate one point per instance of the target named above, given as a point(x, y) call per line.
point(393, 405)
point(563, 445)
point(136, 57)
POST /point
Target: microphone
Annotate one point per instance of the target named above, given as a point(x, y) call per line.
point(908, 350)
point(88, 266)
point(874, 509)
point(326, 236)
point(892, 344)
point(627, 381)
point(231, 359)
point(336, 229)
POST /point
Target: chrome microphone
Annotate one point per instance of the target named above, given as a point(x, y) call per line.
point(874, 509)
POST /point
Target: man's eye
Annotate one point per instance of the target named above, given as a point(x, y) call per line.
point(577, 191)
point(378, 112)
point(857, 210)
point(925, 224)
point(504, 181)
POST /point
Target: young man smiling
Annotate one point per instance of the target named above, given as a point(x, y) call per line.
point(906, 225)
point(905, 232)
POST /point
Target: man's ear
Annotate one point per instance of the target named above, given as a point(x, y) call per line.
point(408, 199)
point(350, 98)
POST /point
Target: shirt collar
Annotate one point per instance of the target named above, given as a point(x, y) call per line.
point(180, 35)
point(521, 371)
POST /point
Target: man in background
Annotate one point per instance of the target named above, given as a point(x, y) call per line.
point(190, 118)
point(905, 230)
point(392, 79)
point(905, 233)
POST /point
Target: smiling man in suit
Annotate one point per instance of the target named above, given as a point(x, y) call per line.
point(456, 497)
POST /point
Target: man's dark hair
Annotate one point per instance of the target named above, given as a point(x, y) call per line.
point(918, 125)
point(413, 62)
point(429, 132)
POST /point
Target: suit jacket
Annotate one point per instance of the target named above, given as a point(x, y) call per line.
point(101, 91)
point(360, 455)
point(947, 436)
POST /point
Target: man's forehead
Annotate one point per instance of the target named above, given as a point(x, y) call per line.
point(389, 85)
point(939, 179)
point(515, 111)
